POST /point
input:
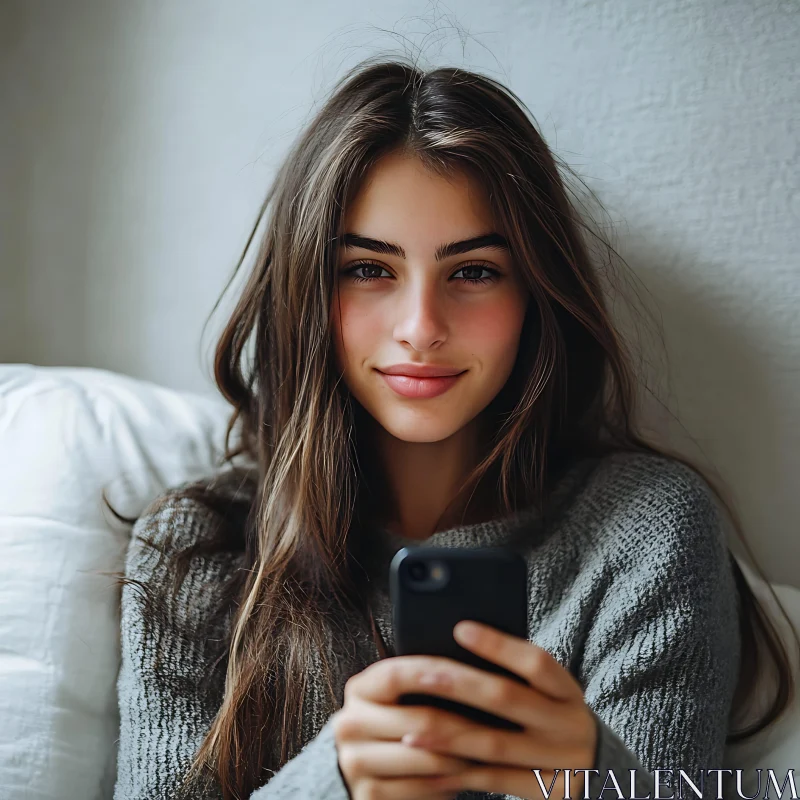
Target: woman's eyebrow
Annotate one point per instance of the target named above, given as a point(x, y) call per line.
point(493, 241)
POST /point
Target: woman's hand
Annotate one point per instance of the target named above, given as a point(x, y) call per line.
point(368, 728)
point(559, 731)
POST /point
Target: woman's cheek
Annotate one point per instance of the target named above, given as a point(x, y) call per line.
point(361, 326)
point(493, 328)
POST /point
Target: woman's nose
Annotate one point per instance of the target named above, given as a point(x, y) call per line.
point(421, 315)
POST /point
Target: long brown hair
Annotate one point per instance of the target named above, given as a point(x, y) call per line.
point(572, 392)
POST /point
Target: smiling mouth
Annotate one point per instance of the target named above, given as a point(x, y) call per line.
point(420, 388)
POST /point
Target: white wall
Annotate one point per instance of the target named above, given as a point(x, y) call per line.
point(138, 138)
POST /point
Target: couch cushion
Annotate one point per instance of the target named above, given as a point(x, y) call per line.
point(65, 435)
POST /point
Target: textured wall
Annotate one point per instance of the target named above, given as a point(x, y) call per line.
point(138, 139)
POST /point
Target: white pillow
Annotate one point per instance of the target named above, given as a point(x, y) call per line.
point(65, 435)
point(778, 747)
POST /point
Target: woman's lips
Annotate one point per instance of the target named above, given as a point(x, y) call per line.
point(409, 386)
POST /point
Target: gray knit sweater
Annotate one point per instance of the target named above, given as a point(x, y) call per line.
point(631, 589)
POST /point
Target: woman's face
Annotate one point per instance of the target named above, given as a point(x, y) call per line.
point(462, 312)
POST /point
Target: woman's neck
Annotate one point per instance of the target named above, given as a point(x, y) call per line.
point(423, 480)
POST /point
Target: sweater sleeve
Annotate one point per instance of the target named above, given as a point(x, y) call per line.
point(313, 773)
point(167, 692)
point(661, 660)
point(167, 697)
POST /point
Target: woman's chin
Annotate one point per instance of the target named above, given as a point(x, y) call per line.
point(420, 430)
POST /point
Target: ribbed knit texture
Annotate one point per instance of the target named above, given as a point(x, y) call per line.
point(631, 589)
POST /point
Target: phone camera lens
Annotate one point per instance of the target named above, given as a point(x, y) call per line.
point(417, 570)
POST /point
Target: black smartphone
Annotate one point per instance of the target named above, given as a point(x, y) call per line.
point(433, 588)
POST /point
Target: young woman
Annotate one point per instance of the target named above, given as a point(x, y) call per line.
point(423, 355)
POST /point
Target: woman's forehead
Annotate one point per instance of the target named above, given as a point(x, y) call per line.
point(409, 208)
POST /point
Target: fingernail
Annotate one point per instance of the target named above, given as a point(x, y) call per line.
point(466, 632)
point(432, 679)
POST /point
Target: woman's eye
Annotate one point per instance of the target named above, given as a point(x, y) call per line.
point(475, 270)
point(371, 272)
point(370, 269)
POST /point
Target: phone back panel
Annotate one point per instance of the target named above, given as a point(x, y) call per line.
point(489, 585)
